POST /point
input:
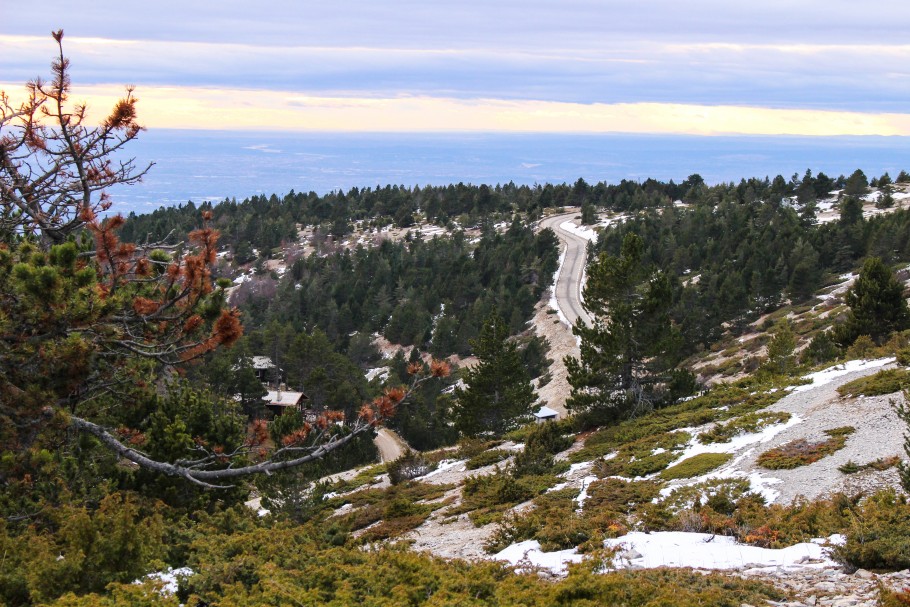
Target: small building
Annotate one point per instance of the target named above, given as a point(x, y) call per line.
point(278, 401)
point(265, 369)
point(546, 414)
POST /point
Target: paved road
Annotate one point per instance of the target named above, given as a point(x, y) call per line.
point(569, 283)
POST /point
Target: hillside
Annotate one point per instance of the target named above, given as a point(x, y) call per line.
point(703, 478)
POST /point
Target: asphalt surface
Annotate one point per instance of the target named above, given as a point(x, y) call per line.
point(570, 281)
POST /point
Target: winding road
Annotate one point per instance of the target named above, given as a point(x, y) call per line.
point(390, 445)
point(570, 280)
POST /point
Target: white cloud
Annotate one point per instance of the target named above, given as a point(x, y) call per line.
point(216, 108)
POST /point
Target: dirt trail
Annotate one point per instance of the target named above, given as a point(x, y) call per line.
point(390, 445)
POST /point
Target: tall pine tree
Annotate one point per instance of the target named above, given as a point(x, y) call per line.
point(877, 305)
point(627, 354)
point(498, 396)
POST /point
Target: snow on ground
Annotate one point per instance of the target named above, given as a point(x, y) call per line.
point(529, 552)
point(705, 551)
point(255, 504)
point(582, 231)
point(737, 443)
point(381, 372)
point(553, 303)
point(444, 465)
point(679, 549)
point(744, 445)
point(828, 375)
point(583, 496)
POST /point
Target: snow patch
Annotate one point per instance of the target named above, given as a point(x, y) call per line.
point(582, 231)
point(705, 551)
point(529, 552)
point(553, 303)
point(446, 464)
point(381, 372)
point(826, 376)
point(583, 496)
point(679, 549)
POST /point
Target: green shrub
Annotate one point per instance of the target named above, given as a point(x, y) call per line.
point(903, 356)
point(882, 463)
point(878, 535)
point(615, 495)
point(472, 447)
point(697, 465)
point(746, 424)
point(801, 452)
point(544, 441)
point(719, 494)
point(888, 381)
point(723, 402)
point(821, 349)
point(850, 467)
point(118, 541)
point(409, 465)
point(643, 456)
point(487, 458)
point(487, 497)
point(893, 598)
point(863, 347)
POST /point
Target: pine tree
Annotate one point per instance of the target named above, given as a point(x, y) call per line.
point(877, 305)
point(92, 327)
point(627, 353)
point(498, 396)
point(781, 359)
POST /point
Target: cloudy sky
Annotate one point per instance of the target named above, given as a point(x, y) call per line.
point(663, 66)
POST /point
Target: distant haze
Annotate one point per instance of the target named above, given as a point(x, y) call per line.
point(207, 165)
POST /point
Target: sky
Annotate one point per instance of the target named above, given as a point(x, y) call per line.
point(701, 67)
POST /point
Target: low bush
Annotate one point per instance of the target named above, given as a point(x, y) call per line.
point(397, 509)
point(472, 447)
point(746, 424)
point(697, 465)
point(613, 495)
point(291, 569)
point(801, 452)
point(409, 465)
point(721, 495)
point(487, 458)
point(643, 456)
point(888, 381)
point(634, 468)
point(486, 498)
point(520, 435)
point(878, 533)
point(368, 476)
point(882, 463)
point(893, 598)
point(541, 444)
point(723, 402)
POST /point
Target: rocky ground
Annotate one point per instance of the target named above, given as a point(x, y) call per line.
point(830, 586)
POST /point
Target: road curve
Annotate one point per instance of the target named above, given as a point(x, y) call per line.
point(390, 445)
point(569, 282)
